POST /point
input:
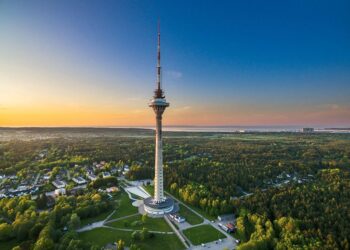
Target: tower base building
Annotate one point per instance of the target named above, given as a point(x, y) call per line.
point(154, 208)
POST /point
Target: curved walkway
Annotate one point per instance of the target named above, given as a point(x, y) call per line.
point(132, 230)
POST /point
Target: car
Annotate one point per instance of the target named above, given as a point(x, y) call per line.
point(220, 240)
point(237, 241)
point(203, 245)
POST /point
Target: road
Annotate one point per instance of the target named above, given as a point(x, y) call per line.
point(36, 179)
point(178, 233)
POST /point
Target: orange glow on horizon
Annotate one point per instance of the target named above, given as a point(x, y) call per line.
point(119, 116)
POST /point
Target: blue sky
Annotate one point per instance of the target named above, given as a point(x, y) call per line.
point(224, 62)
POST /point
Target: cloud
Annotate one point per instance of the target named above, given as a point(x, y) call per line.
point(174, 74)
point(184, 108)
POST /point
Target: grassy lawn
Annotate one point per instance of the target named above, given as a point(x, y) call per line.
point(124, 206)
point(149, 189)
point(191, 217)
point(8, 245)
point(99, 217)
point(153, 224)
point(203, 234)
point(103, 236)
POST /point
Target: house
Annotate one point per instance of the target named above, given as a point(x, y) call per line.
point(230, 228)
point(91, 176)
point(60, 191)
point(106, 174)
point(46, 177)
point(126, 169)
point(79, 180)
point(112, 189)
point(59, 184)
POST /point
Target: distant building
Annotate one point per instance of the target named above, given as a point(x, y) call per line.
point(308, 130)
point(79, 180)
point(106, 174)
point(59, 184)
point(112, 189)
point(91, 176)
point(60, 191)
point(46, 177)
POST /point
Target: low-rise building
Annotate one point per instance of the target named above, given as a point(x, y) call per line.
point(106, 174)
point(79, 180)
point(60, 191)
point(112, 189)
point(59, 184)
point(91, 176)
point(308, 130)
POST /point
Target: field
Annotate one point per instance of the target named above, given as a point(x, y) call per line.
point(124, 206)
point(103, 236)
point(203, 234)
point(153, 224)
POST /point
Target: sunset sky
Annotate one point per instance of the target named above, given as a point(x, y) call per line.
point(92, 63)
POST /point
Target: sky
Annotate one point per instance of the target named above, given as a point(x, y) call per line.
point(254, 63)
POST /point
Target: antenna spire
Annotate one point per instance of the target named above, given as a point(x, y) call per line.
point(158, 93)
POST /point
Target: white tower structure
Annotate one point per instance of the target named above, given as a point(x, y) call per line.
point(159, 204)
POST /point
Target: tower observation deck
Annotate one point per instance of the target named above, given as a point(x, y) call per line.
point(158, 204)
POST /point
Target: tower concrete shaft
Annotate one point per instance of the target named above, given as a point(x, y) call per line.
point(158, 168)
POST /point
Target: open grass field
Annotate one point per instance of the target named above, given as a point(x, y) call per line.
point(103, 236)
point(203, 234)
point(123, 206)
point(153, 224)
point(191, 217)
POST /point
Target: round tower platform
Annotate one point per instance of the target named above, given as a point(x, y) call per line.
point(153, 208)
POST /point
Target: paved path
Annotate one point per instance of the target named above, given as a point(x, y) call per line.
point(122, 218)
point(102, 223)
point(178, 233)
point(133, 230)
point(91, 226)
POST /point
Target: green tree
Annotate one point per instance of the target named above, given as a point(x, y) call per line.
point(74, 221)
point(121, 244)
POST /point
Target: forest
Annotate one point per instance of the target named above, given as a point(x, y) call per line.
point(287, 189)
point(315, 215)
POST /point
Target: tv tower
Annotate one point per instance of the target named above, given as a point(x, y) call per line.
point(159, 204)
